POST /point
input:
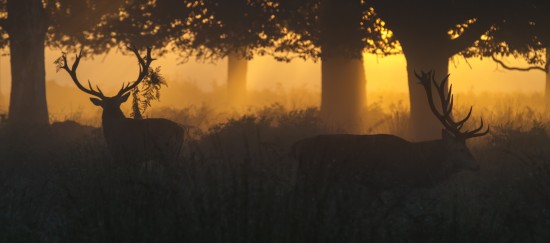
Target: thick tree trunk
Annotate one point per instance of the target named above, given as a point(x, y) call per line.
point(343, 84)
point(237, 67)
point(27, 33)
point(423, 124)
point(422, 30)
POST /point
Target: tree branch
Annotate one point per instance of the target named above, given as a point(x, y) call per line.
point(470, 35)
point(523, 69)
point(4, 24)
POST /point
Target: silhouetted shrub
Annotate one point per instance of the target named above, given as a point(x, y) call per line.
point(236, 180)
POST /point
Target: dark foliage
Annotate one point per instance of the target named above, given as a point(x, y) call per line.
point(523, 33)
point(235, 183)
point(352, 27)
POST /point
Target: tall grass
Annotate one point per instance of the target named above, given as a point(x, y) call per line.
point(235, 182)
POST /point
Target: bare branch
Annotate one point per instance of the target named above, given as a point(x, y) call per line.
point(470, 35)
point(523, 69)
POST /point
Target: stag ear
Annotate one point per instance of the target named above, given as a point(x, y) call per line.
point(124, 98)
point(96, 101)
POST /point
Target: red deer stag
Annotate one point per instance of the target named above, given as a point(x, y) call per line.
point(132, 141)
point(384, 161)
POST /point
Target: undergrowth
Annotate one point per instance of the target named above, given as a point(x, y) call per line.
point(235, 183)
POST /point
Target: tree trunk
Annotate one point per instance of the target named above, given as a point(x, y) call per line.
point(343, 95)
point(237, 67)
point(547, 88)
point(343, 84)
point(1, 97)
point(27, 33)
point(423, 124)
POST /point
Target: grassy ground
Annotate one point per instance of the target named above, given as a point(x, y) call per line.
point(235, 183)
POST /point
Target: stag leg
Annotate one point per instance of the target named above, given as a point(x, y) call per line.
point(311, 195)
point(304, 201)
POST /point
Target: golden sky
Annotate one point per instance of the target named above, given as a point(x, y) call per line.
point(383, 73)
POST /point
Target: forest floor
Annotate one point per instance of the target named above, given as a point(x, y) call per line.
point(235, 183)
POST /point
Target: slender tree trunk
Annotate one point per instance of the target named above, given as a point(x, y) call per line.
point(1, 97)
point(237, 67)
point(343, 84)
point(423, 124)
point(547, 88)
point(27, 33)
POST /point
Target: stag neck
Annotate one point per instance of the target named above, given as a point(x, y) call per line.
point(110, 116)
point(433, 153)
point(433, 150)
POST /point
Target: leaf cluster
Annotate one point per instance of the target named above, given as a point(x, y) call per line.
point(67, 23)
point(524, 33)
point(352, 27)
point(146, 92)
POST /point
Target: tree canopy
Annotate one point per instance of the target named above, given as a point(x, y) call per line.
point(524, 33)
point(26, 27)
point(430, 33)
point(308, 24)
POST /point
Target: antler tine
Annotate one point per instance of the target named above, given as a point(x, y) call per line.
point(98, 89)
point(426, 81)
point(447, 103)
point(477, 129)
point(458, 125)
point(72, 72)
point(144, 65)
point(480, 134)
point(449, 109)
point(76, 61)
point(90, 85)
point(450, 92)
point(422, 78)
point(441, 86)
point(134, 49)
point(475, 132)
point(472, 133)
point(461, 122)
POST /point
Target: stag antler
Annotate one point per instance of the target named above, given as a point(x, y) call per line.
point(72, 73)
point(144, 65)
point(426, 80)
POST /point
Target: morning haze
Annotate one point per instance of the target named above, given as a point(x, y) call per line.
point(274, 121)
point(384, 74)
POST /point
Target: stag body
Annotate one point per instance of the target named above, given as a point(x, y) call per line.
point(135, 140)
point(132, 140)
point(385, 161)
point(380, 161)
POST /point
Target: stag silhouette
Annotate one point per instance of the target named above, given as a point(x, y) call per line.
point(132, 141)
point(380, 162)
point(385, 161)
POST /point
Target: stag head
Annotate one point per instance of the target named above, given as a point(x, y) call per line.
point(110, 105)
point(454, 139)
